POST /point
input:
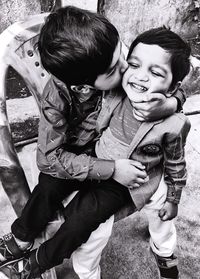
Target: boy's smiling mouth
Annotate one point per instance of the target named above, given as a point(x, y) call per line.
point(139, 88)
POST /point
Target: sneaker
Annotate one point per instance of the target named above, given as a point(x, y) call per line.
point(168, 266)
point(25, 268)
point(9, 250)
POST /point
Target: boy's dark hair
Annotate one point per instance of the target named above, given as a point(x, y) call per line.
point(180, 51)
point(77, 45)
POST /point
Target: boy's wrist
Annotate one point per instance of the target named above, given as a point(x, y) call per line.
point(173, 200)
point(101, 169)
point(172, 104)
point(173, 194)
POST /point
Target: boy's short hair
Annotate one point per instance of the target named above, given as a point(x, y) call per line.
point(180, 51)
point(77, 45)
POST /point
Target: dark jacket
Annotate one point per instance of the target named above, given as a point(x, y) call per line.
point(67, 135)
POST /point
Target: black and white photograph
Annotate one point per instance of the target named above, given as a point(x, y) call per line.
point(100, 139)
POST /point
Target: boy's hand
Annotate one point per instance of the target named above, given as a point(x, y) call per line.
point(152, 106)
point(168, 211)
point(129, 173)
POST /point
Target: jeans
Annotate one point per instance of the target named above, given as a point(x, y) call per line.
point(93, 204)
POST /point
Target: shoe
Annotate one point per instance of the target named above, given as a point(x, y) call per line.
point(9, 250)
point(25, 268)
point(168, 266)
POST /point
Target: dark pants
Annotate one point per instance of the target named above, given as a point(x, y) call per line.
point(93, 205)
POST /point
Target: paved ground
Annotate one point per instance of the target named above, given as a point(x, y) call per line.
point(127, 255)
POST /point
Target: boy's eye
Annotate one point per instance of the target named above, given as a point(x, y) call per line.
point(157, 74)
point(133, 65)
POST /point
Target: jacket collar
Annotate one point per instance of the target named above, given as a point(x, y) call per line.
point(62, 87)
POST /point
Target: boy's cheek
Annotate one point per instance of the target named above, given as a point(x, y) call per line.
point(127, 89)
point(124, 81)
point(123, 84)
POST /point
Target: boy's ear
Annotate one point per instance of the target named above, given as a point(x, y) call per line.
point(174, 89)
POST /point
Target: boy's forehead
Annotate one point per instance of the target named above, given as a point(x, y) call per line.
point(154, 53)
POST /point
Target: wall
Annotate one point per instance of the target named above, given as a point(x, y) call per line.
point(134, 16)
point(84, 4)
point(183, 16)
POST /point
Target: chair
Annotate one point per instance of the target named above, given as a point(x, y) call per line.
point(18, 51)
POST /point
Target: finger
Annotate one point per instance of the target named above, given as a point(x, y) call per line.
point(134, 185)
point(146, 179)
point(148, 97)
point(137, 164)
point(141, 119)
point(138, 115)
point(143, 110)
point(155, 97)
point(140, 174)
point(141, 180)
point(164, 218)
point(140, 107)
point(161, 213)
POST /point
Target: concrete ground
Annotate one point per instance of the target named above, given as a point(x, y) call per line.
point(127, 254)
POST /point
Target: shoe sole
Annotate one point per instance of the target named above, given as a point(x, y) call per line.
point(9, 262)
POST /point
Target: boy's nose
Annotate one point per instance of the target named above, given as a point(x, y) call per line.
point(124, 64)
point(142, 76)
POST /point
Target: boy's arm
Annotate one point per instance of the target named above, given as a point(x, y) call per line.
point(175, 173)
point(156, 106)
point(174, 165)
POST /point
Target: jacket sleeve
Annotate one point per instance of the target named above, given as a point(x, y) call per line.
point(175, 172)
point(53, 155)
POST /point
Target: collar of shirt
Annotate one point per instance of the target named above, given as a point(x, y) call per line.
point(85, 92)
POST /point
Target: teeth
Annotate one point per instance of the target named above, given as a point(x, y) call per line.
point(138, 87)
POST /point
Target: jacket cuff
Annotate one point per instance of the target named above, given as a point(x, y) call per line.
point(101, 169)
point(173, 195)
point(180, 96)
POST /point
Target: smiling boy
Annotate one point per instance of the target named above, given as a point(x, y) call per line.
point(158, 61)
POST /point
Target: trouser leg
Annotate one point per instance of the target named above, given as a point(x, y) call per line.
point(87, 257)
point(45, 200)
point(84, 214)
point(162, 233)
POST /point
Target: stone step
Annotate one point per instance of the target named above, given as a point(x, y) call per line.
point(23, 114)
point(192, 105)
